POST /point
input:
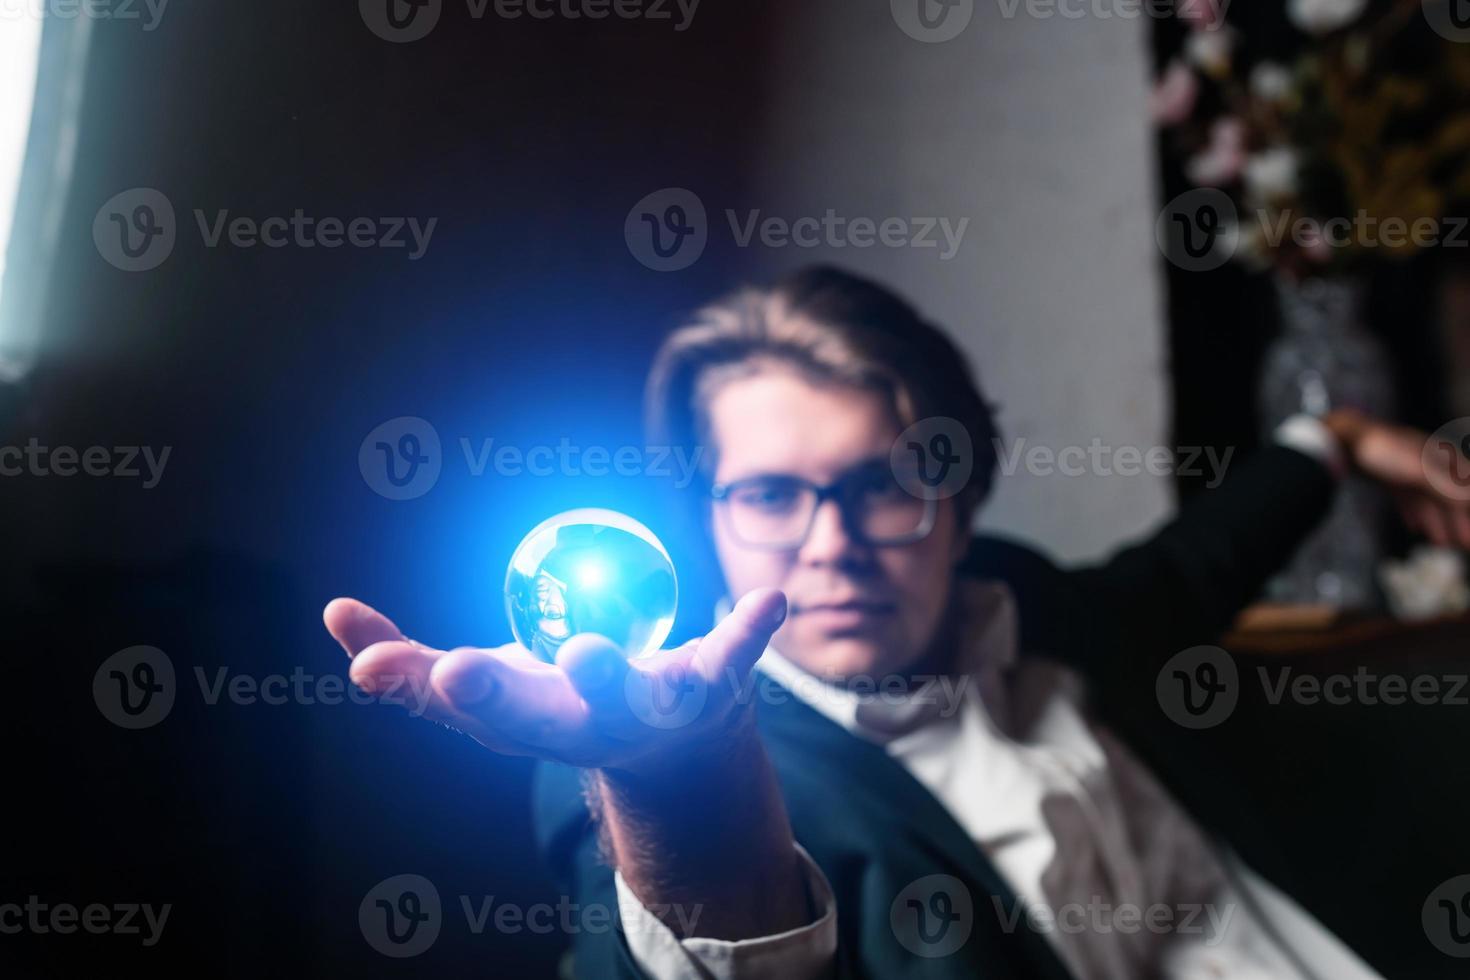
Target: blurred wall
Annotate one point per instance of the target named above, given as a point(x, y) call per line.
point(1036, 130)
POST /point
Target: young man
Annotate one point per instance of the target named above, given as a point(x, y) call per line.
point(831, 832)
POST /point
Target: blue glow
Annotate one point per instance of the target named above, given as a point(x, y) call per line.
point(591, 571)
point(592, 574)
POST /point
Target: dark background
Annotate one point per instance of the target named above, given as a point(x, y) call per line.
point(527, 321)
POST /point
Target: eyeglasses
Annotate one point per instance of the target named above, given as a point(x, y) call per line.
point(776, 512)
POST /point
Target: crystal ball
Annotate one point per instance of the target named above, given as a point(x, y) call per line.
point(591, 571)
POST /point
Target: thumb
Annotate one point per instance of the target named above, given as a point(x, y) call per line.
point(738, 640)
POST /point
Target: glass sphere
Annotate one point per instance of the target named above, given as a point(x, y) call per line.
point(591, 571)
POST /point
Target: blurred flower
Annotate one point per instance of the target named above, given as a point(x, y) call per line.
point(1175, 95)
point(1210, 50)
point(1324, 16)
point(1270, 81)
point(1203, 15)
point(1271, 174)
point(1223, 159)
point(1430, 583)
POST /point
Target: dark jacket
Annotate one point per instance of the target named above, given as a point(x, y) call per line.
point(873, 829)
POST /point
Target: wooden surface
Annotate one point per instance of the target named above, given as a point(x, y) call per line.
point(1272, 631)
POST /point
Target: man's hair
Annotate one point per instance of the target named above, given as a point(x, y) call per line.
point(832, 328)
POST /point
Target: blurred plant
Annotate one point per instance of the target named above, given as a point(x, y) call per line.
point(1368, 121)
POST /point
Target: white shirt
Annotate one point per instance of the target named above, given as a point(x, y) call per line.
point(1077, 827)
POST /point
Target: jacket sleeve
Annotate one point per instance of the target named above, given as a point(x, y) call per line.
point(1184, 585)
point(1180, 587)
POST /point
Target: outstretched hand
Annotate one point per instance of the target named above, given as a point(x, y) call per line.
point(592, 708)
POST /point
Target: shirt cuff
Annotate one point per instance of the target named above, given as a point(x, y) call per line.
point(807, 952)
point(1309, 436)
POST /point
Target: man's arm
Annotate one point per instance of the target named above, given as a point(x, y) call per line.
point(692, 812)
point(706, 843)
point(1185, 584)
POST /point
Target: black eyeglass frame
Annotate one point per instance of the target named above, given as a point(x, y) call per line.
point(720, 492)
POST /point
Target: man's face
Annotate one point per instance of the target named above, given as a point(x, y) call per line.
point(855, 609)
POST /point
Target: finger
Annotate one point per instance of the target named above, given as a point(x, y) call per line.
point(598, 671)
point(738, 640)
point(511, 701)
point(358, 626)
point(396, 671)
